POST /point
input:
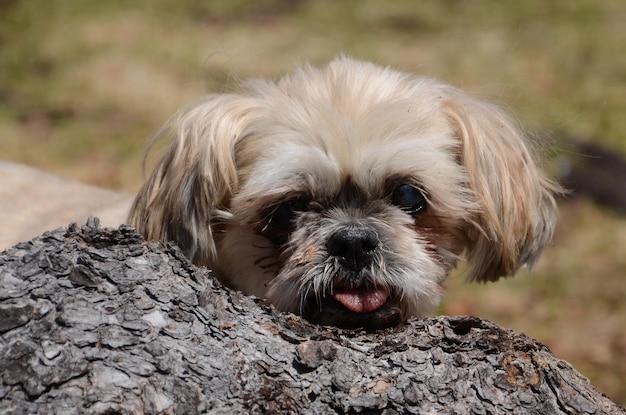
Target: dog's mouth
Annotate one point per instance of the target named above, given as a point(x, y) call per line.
point(370, 308)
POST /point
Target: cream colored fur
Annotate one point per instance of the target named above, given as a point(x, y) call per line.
point(333, 139)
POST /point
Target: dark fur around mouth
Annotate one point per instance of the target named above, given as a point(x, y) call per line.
point(331, 313)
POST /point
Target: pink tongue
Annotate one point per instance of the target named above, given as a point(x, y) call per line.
point(359, 300)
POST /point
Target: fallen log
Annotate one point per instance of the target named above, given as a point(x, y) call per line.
point(97, 321)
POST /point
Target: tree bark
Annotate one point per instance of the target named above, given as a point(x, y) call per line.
point(99, 321)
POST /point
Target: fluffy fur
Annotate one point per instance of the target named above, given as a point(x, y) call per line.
point(347, 193)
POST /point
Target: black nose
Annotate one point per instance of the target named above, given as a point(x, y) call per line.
point(353, 246)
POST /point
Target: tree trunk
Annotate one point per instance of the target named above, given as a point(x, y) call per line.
point(101, 322)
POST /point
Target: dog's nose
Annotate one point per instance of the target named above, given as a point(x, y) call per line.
point(353, 247)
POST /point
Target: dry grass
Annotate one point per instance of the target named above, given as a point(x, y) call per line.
point(85, 84)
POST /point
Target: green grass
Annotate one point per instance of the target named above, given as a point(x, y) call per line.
point(84, 85)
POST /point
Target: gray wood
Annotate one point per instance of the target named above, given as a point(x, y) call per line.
point(100, 322)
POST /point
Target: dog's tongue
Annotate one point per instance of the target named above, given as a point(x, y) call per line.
point(361, 300)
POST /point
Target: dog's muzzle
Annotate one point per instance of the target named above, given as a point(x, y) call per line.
point(355, 302)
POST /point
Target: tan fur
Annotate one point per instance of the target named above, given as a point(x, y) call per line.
point(336, 137)
point(518, 210)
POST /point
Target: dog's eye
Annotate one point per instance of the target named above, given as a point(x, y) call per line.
point(279, 219)
point(284, 213)
point(409, 198)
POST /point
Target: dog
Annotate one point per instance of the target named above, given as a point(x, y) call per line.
point(347, 193)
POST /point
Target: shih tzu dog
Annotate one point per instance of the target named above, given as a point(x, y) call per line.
point(347, 194)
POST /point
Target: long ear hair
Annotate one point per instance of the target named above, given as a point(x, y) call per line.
point(517, 211)
point(189, 191)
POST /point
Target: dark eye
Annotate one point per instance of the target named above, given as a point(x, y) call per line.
point(284, 213)
point(279, 219)
point(409, 198)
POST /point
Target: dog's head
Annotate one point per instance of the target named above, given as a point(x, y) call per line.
point(347, 194)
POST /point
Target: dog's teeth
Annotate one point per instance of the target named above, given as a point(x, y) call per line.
point(360, 300)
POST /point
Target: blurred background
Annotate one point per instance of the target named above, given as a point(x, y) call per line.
point(85, 84)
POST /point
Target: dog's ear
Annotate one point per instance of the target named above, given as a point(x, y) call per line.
point(517, 209)
point(189, 191)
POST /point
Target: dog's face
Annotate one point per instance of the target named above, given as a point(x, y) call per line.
point(347, 194)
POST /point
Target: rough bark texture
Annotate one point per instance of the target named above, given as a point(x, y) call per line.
point(100, 322)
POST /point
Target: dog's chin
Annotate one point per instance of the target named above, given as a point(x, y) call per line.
point(331, 311)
